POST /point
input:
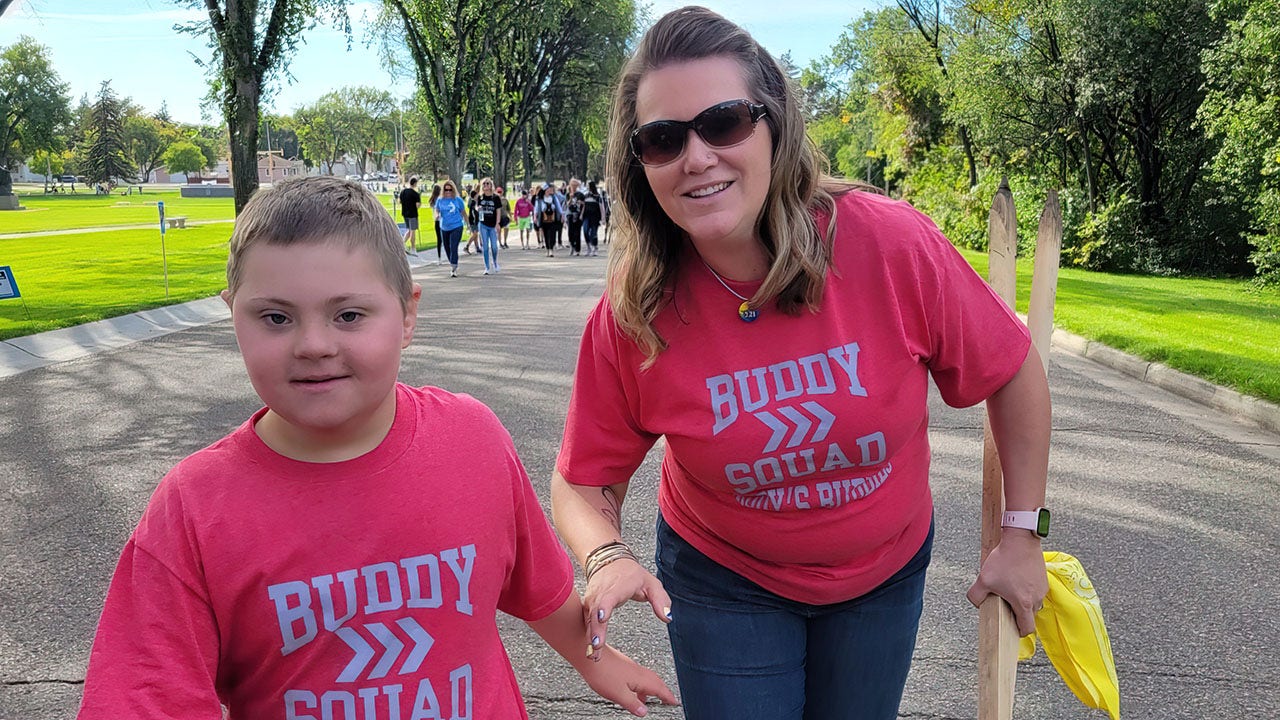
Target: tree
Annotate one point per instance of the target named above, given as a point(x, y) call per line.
point(49, 163)
point(1242, 110)
point(327, 129)
point(572, 49)
point(250, 41)
point(33, 101)
point(147, 138)
point(184, 156)
point(451, 44)
point(108, 156)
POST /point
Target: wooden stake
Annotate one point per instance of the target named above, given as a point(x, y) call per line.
point(997, 631)
point(1044, 278)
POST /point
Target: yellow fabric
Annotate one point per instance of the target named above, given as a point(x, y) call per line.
point(1074, 637)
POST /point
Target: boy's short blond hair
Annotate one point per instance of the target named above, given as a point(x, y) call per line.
point(319, 209)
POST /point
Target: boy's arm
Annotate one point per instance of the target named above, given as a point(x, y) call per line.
point(156, 651)
point(613, 676)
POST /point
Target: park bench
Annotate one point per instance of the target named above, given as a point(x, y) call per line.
point(177, 221)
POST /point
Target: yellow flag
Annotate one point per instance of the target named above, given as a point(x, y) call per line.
point(1074, 637)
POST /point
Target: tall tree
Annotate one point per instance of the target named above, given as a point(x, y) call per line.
point(108, 156)
point(572, 48)
point(147, 138)
point(33, 101)
point(451, 44)
point(250, 42)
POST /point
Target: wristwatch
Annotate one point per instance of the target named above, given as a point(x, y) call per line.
point(1037, 521)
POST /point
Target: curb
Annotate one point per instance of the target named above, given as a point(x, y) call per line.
point(1179, 383)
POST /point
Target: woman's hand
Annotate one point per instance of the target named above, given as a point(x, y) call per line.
point(620, 679)
point(613, 585)
point(1015, 571)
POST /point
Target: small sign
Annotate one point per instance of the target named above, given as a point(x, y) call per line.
point(8, 285)
point(161, 206)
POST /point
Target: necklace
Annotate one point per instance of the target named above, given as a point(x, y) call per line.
point(745, 311)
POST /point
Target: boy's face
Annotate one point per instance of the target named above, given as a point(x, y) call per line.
point(321, 334)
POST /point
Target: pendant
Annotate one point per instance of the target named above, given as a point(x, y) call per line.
point(746, 313)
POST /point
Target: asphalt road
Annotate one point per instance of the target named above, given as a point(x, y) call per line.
point(1171, 507)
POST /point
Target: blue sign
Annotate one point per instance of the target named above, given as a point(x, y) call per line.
point(8, 285)
point(161, 206)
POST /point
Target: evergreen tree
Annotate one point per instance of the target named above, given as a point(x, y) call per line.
point(108, 156)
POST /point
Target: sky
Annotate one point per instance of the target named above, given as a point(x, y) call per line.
point(132, 43)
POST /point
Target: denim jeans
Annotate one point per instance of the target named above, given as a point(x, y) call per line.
point(489, 246)
point(743, 652)
point(451, 240)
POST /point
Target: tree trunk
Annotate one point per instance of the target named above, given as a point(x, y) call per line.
point(241, 109)
point(1146, 144)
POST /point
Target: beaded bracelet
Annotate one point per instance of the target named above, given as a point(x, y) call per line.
point(605, 554)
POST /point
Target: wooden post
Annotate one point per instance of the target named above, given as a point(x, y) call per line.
point(997, 631)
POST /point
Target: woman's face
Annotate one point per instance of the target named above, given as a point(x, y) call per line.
point(714, 194)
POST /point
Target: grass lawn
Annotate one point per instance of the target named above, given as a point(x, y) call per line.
point(77, 278)
point(81, 210)
point(1225, 331)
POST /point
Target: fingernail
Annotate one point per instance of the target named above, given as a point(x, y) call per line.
point(590, 649)
point(595, 641)
point(600, 614)
point(667, 612)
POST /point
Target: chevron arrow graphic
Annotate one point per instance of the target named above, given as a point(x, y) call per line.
point(801, 422)
point(825, 419)
point(422, 642)
point(363, 654)
point(390, 643)
point(778, 427)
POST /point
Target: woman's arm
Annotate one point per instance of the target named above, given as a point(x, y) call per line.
point(588, 517)
point(613, 676)
point(1020, 423)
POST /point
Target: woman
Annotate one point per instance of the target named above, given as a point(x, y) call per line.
point(451, 214)
point(488, 208)
point(778, 330)
point(435, 195)
point(548, 218)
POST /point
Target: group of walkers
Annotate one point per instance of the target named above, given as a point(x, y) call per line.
point(541, 218)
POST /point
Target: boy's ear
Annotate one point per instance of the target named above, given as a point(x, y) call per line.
point(226, 297)
point(411, 315)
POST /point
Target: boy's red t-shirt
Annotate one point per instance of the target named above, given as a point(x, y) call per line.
point(285, 589)
point(797, 450)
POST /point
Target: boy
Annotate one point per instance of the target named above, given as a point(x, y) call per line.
point(326, 559)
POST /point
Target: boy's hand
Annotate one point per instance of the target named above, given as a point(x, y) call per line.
point(620, 679)
point(613, 585)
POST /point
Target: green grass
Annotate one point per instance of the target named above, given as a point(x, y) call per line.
point(77, 278)
point(1225, 331)
point(81, 210)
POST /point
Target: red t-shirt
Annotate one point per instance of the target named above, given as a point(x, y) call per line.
point(797, 450)
point(285, 589)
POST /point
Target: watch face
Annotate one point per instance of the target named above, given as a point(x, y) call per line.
point(1042, 522)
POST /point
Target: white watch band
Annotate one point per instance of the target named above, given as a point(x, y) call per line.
point(1027, 520)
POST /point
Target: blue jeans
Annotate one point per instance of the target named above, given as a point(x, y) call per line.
point(489, 246)
point(743, 652)
point(451, 240)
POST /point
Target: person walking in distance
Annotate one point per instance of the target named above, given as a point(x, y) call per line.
point(488, 208)
point(548, 217)
point(591, 215)
point(524, 219)
point(451, 212)
point(410, 201)
point(573, 215)
point(435, 195)
point(504, 217)
point(777, 329)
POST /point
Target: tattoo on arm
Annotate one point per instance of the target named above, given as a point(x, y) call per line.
point(613, 509)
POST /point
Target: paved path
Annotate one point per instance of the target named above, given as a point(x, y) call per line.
point(1171, 506)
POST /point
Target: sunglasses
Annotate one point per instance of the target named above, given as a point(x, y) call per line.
point(721, 126)
point(448, 189)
